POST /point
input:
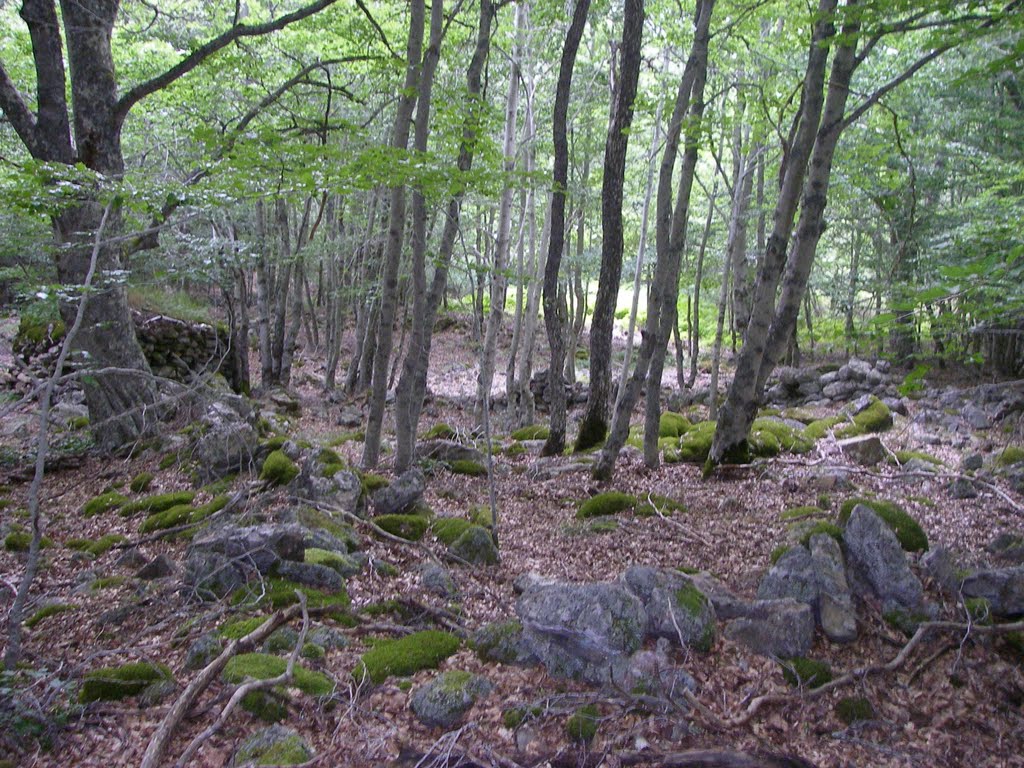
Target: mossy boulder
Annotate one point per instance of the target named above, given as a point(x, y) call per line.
point(278, 469)
point(169, 518)
point(870, 416)
point(448, 529)
point(673, 425)
point(276, 592)
point(790, 437)
point(408, 527)
point(466, 467)
point(263, 666)
point(905, 457)
point(406, 655)
point(269, 706)
point(818, 428)
point(475, 545)
point(344, 564)
point(582, 726)
point(695, 445)
point(440, 431)
point(105, 502)
point(608, 503)
point(909, 532)
point(115, 683)
point(159, 502)
point(275, 745)
point(805, 532)
point(141, 482)
point(501, 642)
point(371, 482)
point(21, 540)
point(532, 432)
point(445, 700)
point(95, 547)
point(806, 672)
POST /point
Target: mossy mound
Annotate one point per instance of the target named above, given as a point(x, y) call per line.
point(105, 502)
point(475, 545)
point(141, 482)
point(1010, 455)
point(159, 502)
point(371, 482)
point(402, 657)
point(268, 706)
point(481, 515)
point(515, 449)
point(695, 445)
point(818, 428)
point(115, 683)
point(608, 503)
point(236, 630)
point(673, 425)
point(788, 437)
point(799, 513)
point(652, 503)
point(466, 467)
point(278, 469)
point(875, 418)
point(329, 456)
point(802, 671)
point(532, 432)
point(343, 564)
point(169, 518)
point(276, 592)
point(203, 511)
point(440, 431)
point(315, 518)
point(95, 547)
point(909, 532)
point(448, 529)
point(262, 666)
point(408, 527)
point(356, 436)
point(20, 541)
point(582, 726)
point(854, 709)
point(778, 552)
point(902, 457)
point(822, 526)
point(46, 612)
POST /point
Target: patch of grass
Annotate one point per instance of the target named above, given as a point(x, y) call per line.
point(909, 532)
point(806, 672)
point(263, 666)
point(799, 513)
point(402, 657)
point(105, 502)
point(608, 503)
point(1011, 454)
point(46, 612)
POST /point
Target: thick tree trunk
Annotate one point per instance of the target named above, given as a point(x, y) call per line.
point(554, 307)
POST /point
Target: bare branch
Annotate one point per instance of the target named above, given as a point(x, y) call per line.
point(14, 107)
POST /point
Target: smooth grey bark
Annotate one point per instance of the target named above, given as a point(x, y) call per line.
point(554, 306)
point(396, 238)
point(698, 280)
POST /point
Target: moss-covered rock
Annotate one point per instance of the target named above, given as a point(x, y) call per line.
point(673, 425)
point(876, 417)
point(652, 503)
point(159, 502)
point(344, 564)
point(141, 482)
point(329, 456)
point(236, 630)
point(21, 540)
point(276, 745)
point(532, 432)
point(278, 469)
point(909, 532)
point(802, 671)
point(440, 431)
point(903, 457)
point(318, 519)
point(371, 482)
point(169, 518)
point(854, 709)
point(500, 642)
point(95, 547)
point(269, 706)
point(105, 502)
point(203, 511)
point(402, 657)
point(114, 683)
point(408, 527)
point(445, 700)
point(821, 526)
point(276, 592)
point(695, 445)
point(788, 437)
point(475, 545)
point(800, 513)
point(582, 726)
point(263, 666)
point(778, 552)
point(448, 529)
point(608, 503)
point(53, 609)
point(818, 428)
point(466, 467)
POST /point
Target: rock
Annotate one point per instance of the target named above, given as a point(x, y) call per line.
point(939, 565)
point(1002, 587)
point(351, 418)
point(435, 579)
point(775, 628)
point(283, 402)
point(475, 546)
point(727, 605)
point(218, 561)
point(444, 700)
point(897, 405)
point(317, 538)
point(878, 562)
point(792, 576)
point(342, 490)
point(962, 488)
point(401, 495)
point(228, 444)
point(866, 450)
point(328, 637)
point(835, 610)
point(204, 650)
point(652, 673)
point(132, 558)
point(582, 631)
point(276, 745)
point(676, 608)
point(320, 577)
point(972, 462)
point(449, 450)
point(976, 417)
point(157, 568)
point(1008, 547)
point(502, 642)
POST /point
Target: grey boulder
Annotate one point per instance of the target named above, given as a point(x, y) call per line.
point(878, 563)
point(445, 700)
point(401, 495)
point(676, 608)
point(1002, 587)
point(774, 628)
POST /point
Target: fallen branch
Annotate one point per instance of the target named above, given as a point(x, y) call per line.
point(713, 758)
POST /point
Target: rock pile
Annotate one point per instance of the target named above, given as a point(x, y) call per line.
point(814, 386)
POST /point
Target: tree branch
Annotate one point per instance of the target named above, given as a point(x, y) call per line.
point(14, 107)
point(376, 26)
point(205, 51)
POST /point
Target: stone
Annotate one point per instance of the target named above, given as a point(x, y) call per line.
point(204, 650)
point(311, 575)
point(228, 444)
point(436, 579)
point(275, 745)
point(132, 558)
point(793, 575)
point(401, 495)
point(1008, 546)
point(866, 450)
point(580, 631)
point(502, 642)
point(878, 562)
point(217, 562)
point(159, 567)
point(476, 546)
point(445, 700)
point(350, 418)
point(328, 637)
point(676, 608)
point(342, 490)
point(651, 673)
point(962, 488)
point(1002, 587)
point(976, 417)
point(836, 613)
point(774, 628)
point(972, 462)
point(938, 563)
point(449, 450)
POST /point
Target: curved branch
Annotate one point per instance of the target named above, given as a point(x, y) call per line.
point(13, 105)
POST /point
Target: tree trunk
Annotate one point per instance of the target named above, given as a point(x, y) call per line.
point(554, 308)
point(698, 279)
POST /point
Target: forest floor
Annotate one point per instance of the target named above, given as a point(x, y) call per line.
point(959, 699)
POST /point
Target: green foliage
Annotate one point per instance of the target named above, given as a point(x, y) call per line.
point(1010, 455)
point(169, 518)
point(909, 532)
point(103, 503)
point(532, 432)
point(608, 503)
point(420, 650)
point(172, 303)
point(913, 382)
point(46, 612)
point(802, 671)
point(673, 425)
point(448, 529)
point(263, 666)
point(466, 467)
point(160, 502)
point(408, 527)
point(141, 482)
point(97, 547)
point(278, 469)
point(854, 709)
point(582, 726)
point(440, 431)
point(822, 526)
point(20, 541)
point(114, 683)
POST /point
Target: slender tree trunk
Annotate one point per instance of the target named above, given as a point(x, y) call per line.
point(698, 279)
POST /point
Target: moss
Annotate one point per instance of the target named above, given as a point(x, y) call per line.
point(203, 511)
point(440, 431)
point(652, 503)
point(802, 671)
point(96, 547)
point(481, 515)
point(46, 612)
point(343, 564)
point(466, 467)
point(603, 525)
point(20, 541)
point(107, 582)
point(329, 456)
point(513, 717)
point(169, 518)
point(788, 438)
point(673, 425)
point(159, 502)
point(312, 651)
point(902, 457)
point(1011, 454)
point(582, 726)
point(778, 552)
point(278, 469)
point(262, 666)
point(168, 461)
point(532, 432)
point(105, 502)
point(875, 418)
point(909, 532)
point(421, 650)
point(278, 593)
point(315, 518)
point(799, 513)
point(979, 610)
point(372, 482)
point(608, 503)
point(356, 436)
point(141, 482)
point(818, 428)
point(236, 630)
point(695, 445)
point(822, 526)
point(515, 449)
point(448, 529)
point(853, 709)
point(408, 527)
point(114, 683)
point(268, 706)
point(905, 621)
point(274, 443)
